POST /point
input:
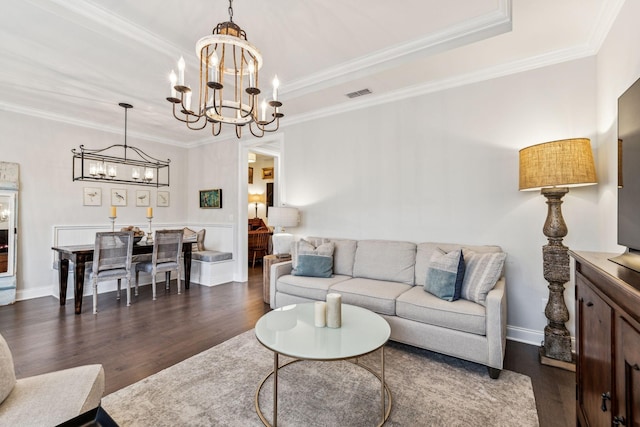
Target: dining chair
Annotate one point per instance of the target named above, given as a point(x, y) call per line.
point(259, 243)
point(111, 260)
point(167, 248)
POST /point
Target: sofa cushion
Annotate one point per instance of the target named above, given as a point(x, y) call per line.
point(385, 260)
point(211, 256)
point(482, 272)
point(311, 260)
point(7, 371)
point(375, 295)
point(445, 275)
point(426, 250)
point(307, 287)
point(461, 315)
point(343, 254)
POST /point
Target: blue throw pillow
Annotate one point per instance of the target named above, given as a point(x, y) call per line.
point(312, 261)
point(445, 275)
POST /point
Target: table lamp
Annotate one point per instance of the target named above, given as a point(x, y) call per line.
point(282, 217)
point(256, 198)
point(552, 167)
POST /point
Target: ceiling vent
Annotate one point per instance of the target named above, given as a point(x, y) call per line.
point(359, 93)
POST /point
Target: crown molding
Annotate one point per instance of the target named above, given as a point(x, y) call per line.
point(489, 73)
point(48, 115)
point(496, 22)
point(84, 13)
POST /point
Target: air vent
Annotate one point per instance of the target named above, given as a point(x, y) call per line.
point(359, 93)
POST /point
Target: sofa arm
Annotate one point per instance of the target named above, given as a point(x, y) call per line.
point(496, 315)
point(277, 270)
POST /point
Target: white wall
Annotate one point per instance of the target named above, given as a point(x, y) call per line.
point(49, 197)
point(618, 66)
point(444, 167)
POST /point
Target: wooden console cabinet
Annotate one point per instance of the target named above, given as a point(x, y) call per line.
point(608, 341)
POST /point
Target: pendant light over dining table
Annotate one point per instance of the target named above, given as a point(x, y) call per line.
point(120, 163)
point(228, 90)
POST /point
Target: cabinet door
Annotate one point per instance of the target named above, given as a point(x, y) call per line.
point(628, 374)
point(594, 355)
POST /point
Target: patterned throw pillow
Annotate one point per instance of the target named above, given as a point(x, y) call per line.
point(483, 271)
point(189, 233)
point(312, 261)
point(445, 274)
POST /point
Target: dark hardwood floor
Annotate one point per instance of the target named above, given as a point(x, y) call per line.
point(133, 343)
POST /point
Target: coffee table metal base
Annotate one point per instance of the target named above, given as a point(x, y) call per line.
point(385, 393)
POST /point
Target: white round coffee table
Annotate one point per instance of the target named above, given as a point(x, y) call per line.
point(290, 331)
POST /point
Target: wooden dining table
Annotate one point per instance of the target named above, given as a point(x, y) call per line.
point(79, 255)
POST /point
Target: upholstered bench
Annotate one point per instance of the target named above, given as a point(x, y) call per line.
point(211, 268)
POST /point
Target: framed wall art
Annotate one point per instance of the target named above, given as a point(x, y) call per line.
point(118, 197)
point(143, 198)
point(250, 175)
point(92, 196)
point(267, 173)
point(211, 199)
point(162, 199)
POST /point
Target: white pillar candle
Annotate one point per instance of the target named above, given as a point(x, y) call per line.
point(334, 310)
point(320, 319)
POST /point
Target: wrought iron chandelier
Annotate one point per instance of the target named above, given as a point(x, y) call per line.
point(135, 167)
point(227, 61)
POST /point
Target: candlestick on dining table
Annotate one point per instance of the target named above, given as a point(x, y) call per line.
point(149, 234)
point(334, 310)
point(112, 217)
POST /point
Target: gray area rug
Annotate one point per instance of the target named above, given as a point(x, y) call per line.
point(217, 388)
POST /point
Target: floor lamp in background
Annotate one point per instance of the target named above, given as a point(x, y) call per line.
point(283, 217)
point(552, 167)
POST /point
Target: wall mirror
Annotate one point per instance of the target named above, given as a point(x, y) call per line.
point(7, 233)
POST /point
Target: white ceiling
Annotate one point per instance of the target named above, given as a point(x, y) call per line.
point(75, 60)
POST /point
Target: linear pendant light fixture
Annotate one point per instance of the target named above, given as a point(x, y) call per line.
point(228, 90)
point(135, 167)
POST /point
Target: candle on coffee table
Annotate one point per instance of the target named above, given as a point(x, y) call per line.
point(334, 310)
point(320, 319)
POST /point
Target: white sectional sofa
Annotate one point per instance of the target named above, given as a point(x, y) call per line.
point(388, 277)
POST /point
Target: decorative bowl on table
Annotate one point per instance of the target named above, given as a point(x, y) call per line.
point(136, 239)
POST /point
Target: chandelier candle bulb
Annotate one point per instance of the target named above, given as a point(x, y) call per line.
point(173, 79)
point(135, 173)
point(252, 82)
point(320, 318)
point(181, 71)
point(112, 171)
point(148, 174)
point(334, 310)
point(276, 83)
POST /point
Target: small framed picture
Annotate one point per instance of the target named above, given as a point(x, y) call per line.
point(250, 175)
point(211, 199)
point(162, 198)
point(267, 173)
point(92, 196)
point(143, 198)
point(118, 197)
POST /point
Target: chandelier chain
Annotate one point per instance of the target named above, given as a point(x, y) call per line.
point(230, 11)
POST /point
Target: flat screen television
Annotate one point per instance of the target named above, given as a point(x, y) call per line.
point(629, 177)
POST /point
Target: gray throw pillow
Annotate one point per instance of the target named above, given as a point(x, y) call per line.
point(445, 274)
point(309, 260)
point(482, 272)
